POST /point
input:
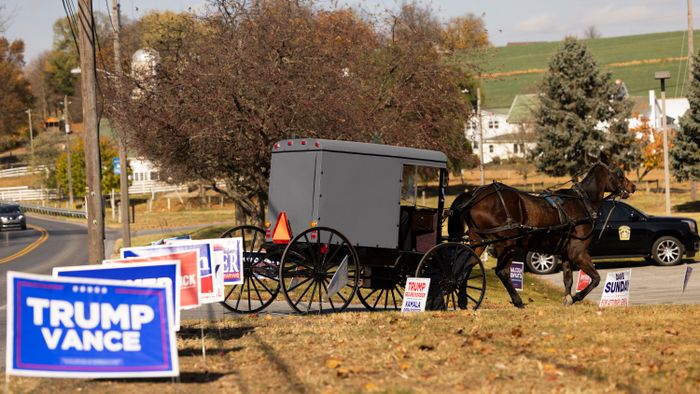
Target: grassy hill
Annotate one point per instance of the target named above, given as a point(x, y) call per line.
point(517, 69)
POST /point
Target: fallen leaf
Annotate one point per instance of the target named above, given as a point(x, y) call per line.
point(516, 332)
point(671, 331)
point(404, 366)
point(342, 373)
point(369, 386)
point(426, 347)
point(333, 363)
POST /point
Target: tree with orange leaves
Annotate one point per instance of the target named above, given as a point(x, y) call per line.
point(651, 145)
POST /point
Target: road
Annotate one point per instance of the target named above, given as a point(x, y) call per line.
point(649, 284)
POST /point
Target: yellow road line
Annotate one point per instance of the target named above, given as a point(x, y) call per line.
point(44, 236)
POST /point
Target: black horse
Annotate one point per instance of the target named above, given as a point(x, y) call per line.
point(559, 222)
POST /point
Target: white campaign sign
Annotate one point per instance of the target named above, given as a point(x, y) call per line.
point(415, 295)
point(616, 291)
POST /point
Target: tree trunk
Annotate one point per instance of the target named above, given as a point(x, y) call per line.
point(693, 190)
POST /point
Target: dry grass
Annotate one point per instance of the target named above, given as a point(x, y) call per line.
point(544, 348)
point(27, 180)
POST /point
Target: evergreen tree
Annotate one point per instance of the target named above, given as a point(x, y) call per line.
point(685, 153)
point(581, 112)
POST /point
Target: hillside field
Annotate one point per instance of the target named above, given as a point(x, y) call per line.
point(517, 69)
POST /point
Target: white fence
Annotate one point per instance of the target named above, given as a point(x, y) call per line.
point(155, 187)
point(24, 193)
point(22, 171)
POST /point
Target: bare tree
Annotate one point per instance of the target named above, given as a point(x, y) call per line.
point(250, 73)
point(591, 32)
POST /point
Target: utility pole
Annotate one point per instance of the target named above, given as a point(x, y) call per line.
point(123, 163)
point(691, 52)
point(481, 137)
point(662, 76)
point(31, 134)
point(66, 125)
point(93, 168)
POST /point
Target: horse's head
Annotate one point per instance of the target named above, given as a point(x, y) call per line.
point(617, 184)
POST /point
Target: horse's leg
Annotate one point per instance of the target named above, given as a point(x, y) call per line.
point(503, 272)
point(584, 262)
point(568, 281)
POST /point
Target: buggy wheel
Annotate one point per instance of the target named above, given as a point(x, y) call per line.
point(384, 296)
point(319, 271)
point(457, 277)
point(260, 283)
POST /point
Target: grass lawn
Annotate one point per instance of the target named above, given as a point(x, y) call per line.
point(544, 347)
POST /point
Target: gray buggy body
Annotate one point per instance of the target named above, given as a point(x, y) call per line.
point(353, 187)
point(354, 226)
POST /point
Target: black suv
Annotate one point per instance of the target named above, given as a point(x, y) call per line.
point(12, 216)
point(663, 240)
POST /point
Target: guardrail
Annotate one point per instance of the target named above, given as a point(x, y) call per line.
point(73, 213)
point(22, 171)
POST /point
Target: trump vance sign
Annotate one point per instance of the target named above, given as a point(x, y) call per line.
point(88, 328)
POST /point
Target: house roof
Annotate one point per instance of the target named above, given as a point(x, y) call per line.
point(523, 108)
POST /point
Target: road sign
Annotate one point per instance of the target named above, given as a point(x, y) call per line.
point(117, 166)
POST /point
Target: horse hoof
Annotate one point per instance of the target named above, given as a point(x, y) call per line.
point(568, 300)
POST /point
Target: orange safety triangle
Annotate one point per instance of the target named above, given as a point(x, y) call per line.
point(282, 233)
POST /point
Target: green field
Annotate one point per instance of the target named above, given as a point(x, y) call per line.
point(663, 49)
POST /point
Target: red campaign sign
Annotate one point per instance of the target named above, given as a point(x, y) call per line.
point(190, 290)
point(583, 281)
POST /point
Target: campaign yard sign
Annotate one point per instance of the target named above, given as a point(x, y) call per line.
point(88, 328)
point(190, 289)
point(230, 251)
point(517, 269)
point(166, 273)
point(216, 261)
point(210, 290)
point(616, 291)
point(415, 294)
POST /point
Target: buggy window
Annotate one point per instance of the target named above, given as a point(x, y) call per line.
point(420, 186)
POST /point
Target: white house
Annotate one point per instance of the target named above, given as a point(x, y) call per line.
point(506, 134)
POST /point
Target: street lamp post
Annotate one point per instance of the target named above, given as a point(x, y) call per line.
point(31, 133)
point(662, 76)
point(69, 170)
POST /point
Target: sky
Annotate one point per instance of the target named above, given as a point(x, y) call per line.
point(506, 20)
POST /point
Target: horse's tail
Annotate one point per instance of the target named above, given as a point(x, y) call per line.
point(456, 221)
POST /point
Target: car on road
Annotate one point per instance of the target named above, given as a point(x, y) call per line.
point(12, 216)
point(629, 232)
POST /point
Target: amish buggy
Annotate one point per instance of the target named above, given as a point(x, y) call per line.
point(349, 218)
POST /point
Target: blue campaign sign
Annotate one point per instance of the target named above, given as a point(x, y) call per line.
point(210, 290)
point(117, 166)
point(156, 272)
point(517, 269)
point(88, 328)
